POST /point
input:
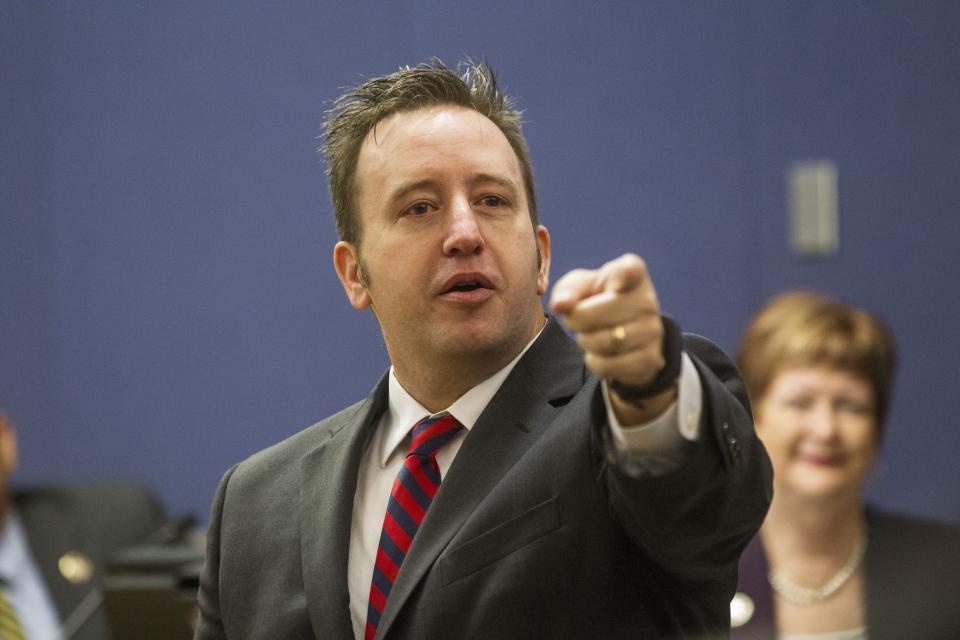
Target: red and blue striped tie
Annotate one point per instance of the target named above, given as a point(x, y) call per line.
point(410, 497)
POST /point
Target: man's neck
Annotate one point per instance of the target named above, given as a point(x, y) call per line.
point(438, 388)
point(437, 385)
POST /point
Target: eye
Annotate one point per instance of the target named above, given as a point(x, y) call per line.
point(799, 402)
point(492, 201)
point(417, 209)
point(852, 405)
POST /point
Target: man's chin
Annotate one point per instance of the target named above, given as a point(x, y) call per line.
point(483, 337)
point(471, 343)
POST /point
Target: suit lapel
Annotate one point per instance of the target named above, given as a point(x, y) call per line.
point(329, 473)
point(521, 410)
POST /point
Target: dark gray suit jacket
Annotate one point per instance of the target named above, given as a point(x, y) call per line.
point(535, 532)
point(95, 519)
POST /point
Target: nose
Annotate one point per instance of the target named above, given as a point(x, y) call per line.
point(823, 421)
point(463, 236)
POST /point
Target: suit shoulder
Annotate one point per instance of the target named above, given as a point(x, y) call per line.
point(921, 532)
point(716, 369)
point(911, 547)
point(271, 479)
point(913, 566)
point(292, 448)
point(708, 353)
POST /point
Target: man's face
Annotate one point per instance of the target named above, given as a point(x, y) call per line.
point(448, 256)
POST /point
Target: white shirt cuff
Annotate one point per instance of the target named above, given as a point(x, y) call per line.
point(666, 433)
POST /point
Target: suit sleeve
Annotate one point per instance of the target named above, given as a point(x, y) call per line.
point(696, 520)
point(210, 624)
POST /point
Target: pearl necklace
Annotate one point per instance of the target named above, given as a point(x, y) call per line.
point(804, 596)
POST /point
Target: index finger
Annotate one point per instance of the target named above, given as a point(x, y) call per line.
point(624, 273)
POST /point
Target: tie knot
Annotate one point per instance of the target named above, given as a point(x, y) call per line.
point(432, 433)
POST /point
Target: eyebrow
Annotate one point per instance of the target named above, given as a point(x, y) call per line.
point(478, 179)
point(404, 190)
point(506, 183)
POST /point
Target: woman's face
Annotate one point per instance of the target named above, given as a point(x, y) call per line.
point(818, 426)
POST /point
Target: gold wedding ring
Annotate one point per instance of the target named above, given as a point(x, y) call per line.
point(618, 337)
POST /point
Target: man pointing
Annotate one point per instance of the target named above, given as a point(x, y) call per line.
point(501, 480)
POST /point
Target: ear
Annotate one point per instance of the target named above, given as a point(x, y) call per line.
point(543, 246)
point(8, 446)
point(346, 261)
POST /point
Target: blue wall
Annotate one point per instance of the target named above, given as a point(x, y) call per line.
point(167, 300)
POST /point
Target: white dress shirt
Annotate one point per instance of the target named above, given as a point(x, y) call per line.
point(23, 585)
point(384, 456)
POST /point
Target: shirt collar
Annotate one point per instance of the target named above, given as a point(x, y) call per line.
point(404, 411)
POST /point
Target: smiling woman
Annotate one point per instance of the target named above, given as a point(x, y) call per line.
point(825, 566)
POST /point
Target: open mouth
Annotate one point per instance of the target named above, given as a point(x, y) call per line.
point(465, 286)
point(467, 283)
